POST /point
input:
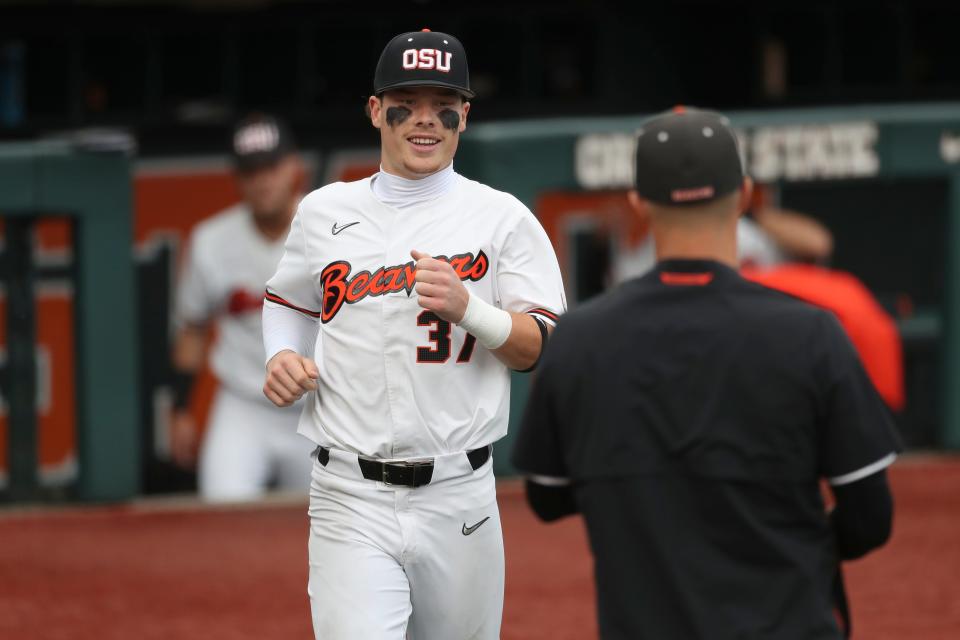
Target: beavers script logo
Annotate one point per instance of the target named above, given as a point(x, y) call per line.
point(339, 287)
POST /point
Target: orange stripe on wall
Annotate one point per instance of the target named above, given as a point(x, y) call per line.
point(177, 202)
point(58, 426)
point(611, 209)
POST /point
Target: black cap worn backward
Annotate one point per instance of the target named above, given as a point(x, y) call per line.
point(423, 59)
point(260, 141)
point(687, 157)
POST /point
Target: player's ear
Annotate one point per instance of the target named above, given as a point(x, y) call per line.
point(746, 195)
point(639, 205)
point(375, 111)
point(463, 116)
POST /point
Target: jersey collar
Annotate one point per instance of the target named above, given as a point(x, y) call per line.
point(692, 272)
point(402, 193)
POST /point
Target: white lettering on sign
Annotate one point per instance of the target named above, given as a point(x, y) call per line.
point(809, 152)
point(950, 147)
point(796, 152)
point(605, 160)
point(427, 59)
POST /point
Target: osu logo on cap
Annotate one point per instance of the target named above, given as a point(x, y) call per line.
point(256, 138)
point(427, 59)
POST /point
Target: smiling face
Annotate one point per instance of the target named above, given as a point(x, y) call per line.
point(419, 129)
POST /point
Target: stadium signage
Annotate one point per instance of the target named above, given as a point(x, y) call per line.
point(792, 153)
point(812, 152)
point(605, 160)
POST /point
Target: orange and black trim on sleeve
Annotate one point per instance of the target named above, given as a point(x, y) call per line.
point(270, 296)
point(546, 314)
point(544, 336)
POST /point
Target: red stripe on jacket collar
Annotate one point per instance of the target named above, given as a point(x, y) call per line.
point(686, 279)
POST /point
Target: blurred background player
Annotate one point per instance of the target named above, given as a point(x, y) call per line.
point(248, 444)
point(690, 415)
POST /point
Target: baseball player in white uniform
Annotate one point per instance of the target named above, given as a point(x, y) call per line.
point(249, 443)
point(428, 288)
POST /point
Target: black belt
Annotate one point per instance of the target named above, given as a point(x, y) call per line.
point(408, 474)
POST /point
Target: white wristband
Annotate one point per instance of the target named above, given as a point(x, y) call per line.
point(488, 324)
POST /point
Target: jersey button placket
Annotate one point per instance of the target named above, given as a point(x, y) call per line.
point(407, 525)
point(388, 318)
point(399, 324)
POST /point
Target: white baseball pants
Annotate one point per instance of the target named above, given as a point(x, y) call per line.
point(390, 562)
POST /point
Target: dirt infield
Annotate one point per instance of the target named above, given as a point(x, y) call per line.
point(173, 572)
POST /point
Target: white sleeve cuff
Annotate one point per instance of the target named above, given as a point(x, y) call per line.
point(286, 329)
point(863, 472)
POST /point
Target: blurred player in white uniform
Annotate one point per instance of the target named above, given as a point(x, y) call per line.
point(249, 444)
point(428, 288)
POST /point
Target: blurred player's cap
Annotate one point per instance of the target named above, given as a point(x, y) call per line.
point(260, 141)
point(687, 156)
point(423, 58)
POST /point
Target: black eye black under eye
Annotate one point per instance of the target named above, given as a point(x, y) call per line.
point(397, 115)
point(450, 119)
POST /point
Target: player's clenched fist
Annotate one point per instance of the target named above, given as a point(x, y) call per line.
point(289, 376)
point(439, 288)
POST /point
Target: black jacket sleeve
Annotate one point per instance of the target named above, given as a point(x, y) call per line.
point(550, 503)
point(538, 449)
point(863, 517)
point(856, 429)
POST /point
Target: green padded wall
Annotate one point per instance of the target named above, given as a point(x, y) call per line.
point(94, 190)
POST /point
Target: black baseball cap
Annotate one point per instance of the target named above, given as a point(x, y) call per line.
point(687, 156)
point(423, 59)
point(259, 141)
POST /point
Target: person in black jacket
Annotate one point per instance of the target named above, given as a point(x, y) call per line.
point(689, 415)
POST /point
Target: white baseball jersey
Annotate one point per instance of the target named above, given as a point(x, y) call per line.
point(227, 265)
point(396, 381)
